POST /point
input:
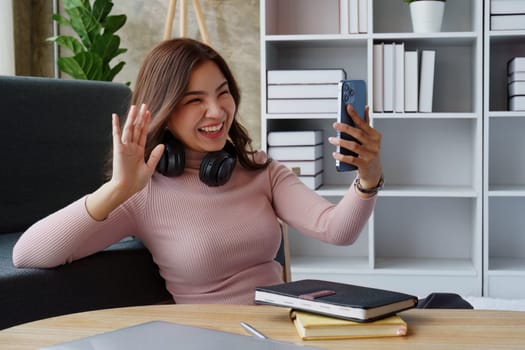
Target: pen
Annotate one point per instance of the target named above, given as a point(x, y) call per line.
point(253, 331)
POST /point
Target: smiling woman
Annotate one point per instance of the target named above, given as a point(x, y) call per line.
point(213, 226)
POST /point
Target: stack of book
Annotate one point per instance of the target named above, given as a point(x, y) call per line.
point(516, 84)
point(354, 16)
point(403, 80)
point(507, 15)
point(303, 91)
point(330, 310)
point(301, 151)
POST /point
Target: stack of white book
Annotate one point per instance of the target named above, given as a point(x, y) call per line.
point(507, 15)
point(301, 151)
point(516, 84)
point(303, 91)
point(403, 80)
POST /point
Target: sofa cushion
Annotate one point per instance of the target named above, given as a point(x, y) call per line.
point(55, 136)
point(122, 275)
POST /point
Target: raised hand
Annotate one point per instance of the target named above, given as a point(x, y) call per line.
point(368, 160)
point(130, 170)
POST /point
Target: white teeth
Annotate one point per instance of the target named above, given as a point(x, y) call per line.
point(211, 128)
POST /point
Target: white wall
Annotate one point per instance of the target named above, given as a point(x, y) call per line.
point(7, 41)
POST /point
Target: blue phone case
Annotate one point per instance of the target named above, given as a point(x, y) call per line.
point(350, 92)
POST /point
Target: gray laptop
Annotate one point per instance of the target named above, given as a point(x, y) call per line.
point(161, 335)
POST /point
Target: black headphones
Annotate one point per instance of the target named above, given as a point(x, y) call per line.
point(216, 167)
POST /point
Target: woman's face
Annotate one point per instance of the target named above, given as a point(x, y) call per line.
point(202, 119)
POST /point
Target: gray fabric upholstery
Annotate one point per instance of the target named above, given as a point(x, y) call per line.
point(55, 137)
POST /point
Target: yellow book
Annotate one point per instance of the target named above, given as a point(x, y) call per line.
point(314, 326)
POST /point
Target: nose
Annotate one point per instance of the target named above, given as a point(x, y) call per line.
point(214, 109)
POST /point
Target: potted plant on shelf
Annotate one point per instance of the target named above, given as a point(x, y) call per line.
point(96, 44)
point(427, 15)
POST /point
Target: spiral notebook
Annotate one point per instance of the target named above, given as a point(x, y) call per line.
point(162, 335)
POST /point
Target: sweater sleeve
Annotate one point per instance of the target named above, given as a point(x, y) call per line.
point(312, 214)
point(70, 234)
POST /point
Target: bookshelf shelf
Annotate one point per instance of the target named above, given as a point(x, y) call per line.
point(426, 233)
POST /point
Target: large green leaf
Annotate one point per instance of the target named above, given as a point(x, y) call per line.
point(106, 46)
point(114, 71)
point(70, 66)
point(101, 8)
point(91, 64)
point(68, 42)
point(114, 23)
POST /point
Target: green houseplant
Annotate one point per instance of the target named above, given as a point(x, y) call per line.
point(427, 15)
point(96, 45)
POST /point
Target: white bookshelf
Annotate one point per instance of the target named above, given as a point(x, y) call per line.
point(426, 232)
point(504, 169)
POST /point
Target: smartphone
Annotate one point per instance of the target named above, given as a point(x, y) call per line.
point(350, 92)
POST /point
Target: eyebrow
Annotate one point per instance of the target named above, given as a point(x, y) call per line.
point(200, 92)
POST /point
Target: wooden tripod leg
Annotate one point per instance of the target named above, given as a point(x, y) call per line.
point(169, 19)
point(200, 21)
point(183, 18)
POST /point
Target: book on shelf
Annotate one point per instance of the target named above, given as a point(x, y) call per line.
point(295, 138)
point(305, 76)
point(363, 16)
point(312, 326)
point(507, 22)
point(343, 17)
point(516, 76)
point(516, 65)
point(341, 300)
point(302, 91)
point(305, 167)
point(517, 103)
point(313, 182)
point(377, 72)
point(287, 153)
point(516, 88)
point(399, 77)
point(502, 7)
point(353, 16)
point(388, 77)
point(311, 105)
point(426, 82)
point(411, 81)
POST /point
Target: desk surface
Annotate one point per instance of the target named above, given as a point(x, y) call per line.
point(428, 329)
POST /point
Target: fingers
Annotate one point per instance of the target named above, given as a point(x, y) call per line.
point(135, 128)
point(155, 156)
point(368, 140)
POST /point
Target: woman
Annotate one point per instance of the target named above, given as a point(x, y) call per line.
point(186, 181)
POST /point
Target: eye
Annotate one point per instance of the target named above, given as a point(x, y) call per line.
point(193, 101)
point(224, 92)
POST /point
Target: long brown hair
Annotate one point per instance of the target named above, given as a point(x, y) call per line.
point(161, 82)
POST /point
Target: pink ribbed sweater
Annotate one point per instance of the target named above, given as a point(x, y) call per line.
point(212, 244)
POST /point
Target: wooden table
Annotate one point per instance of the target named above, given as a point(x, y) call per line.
point(428, 329)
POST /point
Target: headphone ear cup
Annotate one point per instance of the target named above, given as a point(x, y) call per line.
point(173, 159)
point(217, 167)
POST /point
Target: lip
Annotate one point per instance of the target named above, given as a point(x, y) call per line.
point(212, 134)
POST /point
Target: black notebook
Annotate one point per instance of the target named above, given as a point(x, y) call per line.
point(347, 301)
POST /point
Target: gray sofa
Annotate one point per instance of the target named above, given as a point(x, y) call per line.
point(55, 135)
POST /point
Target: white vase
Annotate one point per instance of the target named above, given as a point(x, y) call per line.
point(427, 15)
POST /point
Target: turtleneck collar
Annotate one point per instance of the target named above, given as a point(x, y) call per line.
point(194, 158)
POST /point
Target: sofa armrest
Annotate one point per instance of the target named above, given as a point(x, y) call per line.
point(121, 275)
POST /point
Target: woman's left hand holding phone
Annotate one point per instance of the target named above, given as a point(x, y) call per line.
point(130, 170)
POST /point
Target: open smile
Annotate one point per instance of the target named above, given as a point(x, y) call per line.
point(212, 129)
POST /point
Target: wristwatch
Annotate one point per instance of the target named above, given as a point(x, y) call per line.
point(372, 190)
